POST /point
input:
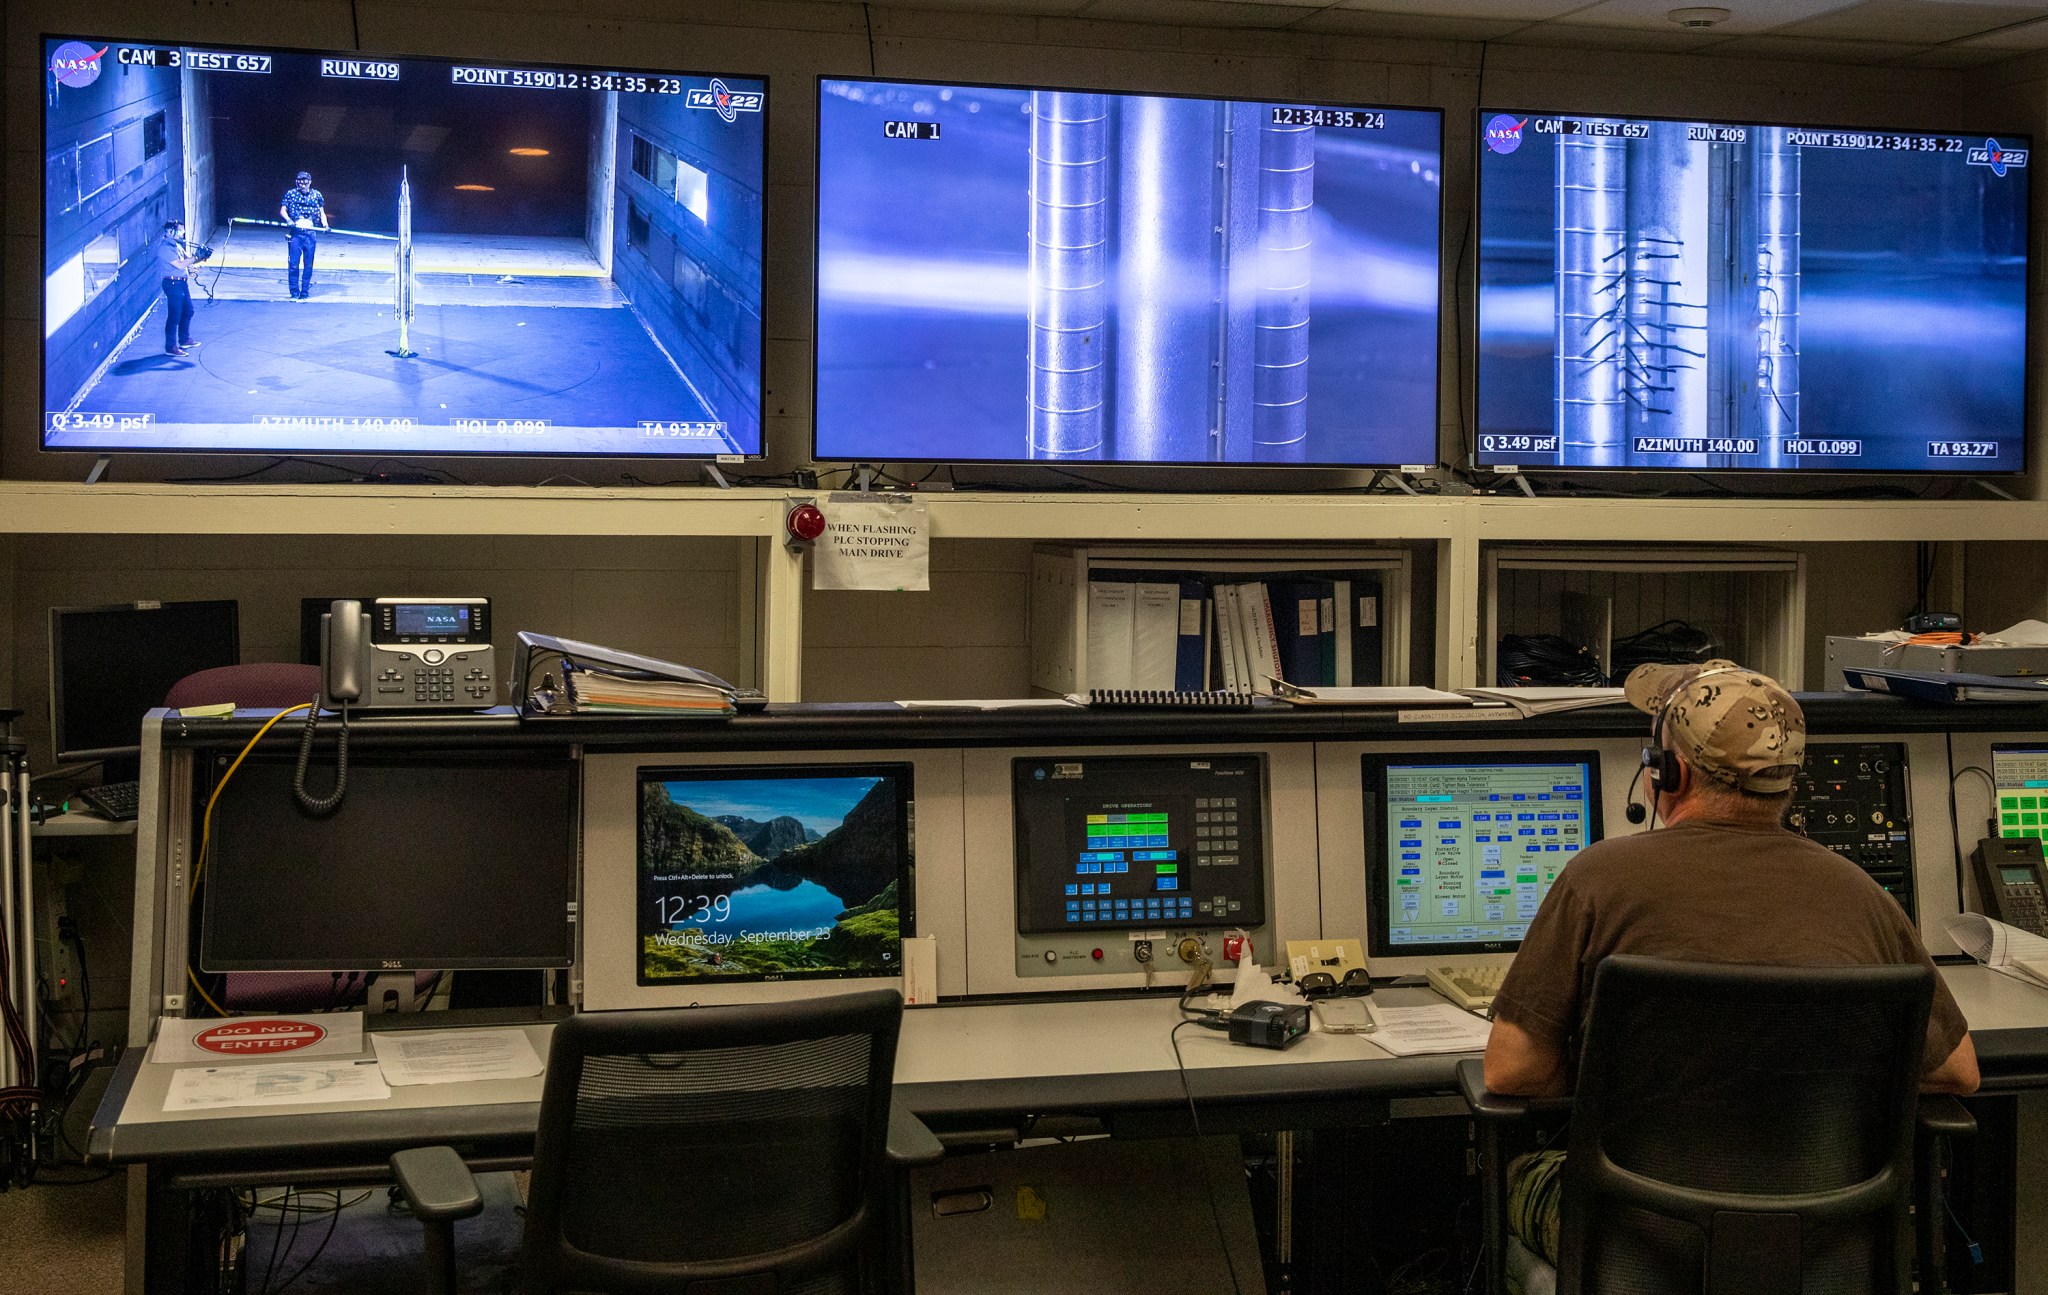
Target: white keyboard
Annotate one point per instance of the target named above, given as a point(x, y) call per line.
point(1471, 988)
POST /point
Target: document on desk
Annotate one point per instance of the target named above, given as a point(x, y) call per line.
point(1416, 1031)
point(2003, 948)
point(454, 1056)
point(296, 1084)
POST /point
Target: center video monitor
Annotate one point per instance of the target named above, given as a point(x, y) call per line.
point(284, 252)
point(1730, 296)
point(1011, 275)
point(1460, 852)
point(774, 872)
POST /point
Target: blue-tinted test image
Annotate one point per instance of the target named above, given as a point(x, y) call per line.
point(1697, 295)
point(1012, 275)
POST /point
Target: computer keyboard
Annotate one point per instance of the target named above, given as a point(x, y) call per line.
point(1471, 988)
point(119, 801)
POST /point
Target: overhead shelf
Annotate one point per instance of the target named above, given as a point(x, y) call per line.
point(115, 508)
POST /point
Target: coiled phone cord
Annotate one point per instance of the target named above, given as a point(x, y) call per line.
point(307, 801)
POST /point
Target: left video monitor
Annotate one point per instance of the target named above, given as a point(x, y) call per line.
point(284, 251)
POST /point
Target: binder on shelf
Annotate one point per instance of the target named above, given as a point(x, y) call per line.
point(1363, 626)
point(1326, 632)
point(1229, 653)
point(1112, 611)
point(1155, 637)
point(602, 680)
point(1296, 604)
point(1191, 654)
point(1263, 646)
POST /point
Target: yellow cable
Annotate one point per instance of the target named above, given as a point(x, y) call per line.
point(206, 839)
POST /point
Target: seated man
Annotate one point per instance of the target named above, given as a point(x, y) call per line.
point(1752, 892)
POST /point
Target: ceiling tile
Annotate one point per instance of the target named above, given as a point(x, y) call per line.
point(2033, 35)
point(1667, 39)
point(1744, 19)
point(1958, 56)
point(1818, 51)
point(1917, 22)
point(1363, 22)
point(1194, 13)
point(1525, 10)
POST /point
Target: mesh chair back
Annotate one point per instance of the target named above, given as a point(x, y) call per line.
point(1745, 1129)
point(713, 1150)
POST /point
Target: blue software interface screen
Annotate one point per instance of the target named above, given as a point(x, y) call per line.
point(773, 873)
point(1037, 275)
point(1693, 295)
point(397, 255)
point(1473, 849)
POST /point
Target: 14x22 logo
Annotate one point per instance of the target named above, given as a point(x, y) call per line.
point(722, 99)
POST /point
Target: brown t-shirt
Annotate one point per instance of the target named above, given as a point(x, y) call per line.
point(1707, 892)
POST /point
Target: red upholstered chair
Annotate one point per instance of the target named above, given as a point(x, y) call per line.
point(256, 685)
point(274, 685)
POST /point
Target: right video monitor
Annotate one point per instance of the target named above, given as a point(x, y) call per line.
point(1036, 275)
point(1659, 294)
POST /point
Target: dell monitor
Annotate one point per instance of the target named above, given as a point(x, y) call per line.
point(1461, 850)
point(1020, 275)
point(280, 251)
point(110, 666)
point(772, 873)
point(454, 861)
point(1730, 296)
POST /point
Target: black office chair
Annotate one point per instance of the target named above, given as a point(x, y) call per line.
point(714, 1151)
point(1739, 1129)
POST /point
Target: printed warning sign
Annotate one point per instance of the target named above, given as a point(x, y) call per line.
point(325, 1034)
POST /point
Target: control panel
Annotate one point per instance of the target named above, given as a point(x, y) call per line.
point(1134, 863)
point(1855, 799)
point(430, 653)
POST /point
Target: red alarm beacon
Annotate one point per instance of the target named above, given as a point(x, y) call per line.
point(805, 522)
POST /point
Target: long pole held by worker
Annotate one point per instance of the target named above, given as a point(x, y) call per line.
point(403, 258)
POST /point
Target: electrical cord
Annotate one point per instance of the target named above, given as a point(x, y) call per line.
point(318, 805)
point(1545, 660)
point(1180, 1066)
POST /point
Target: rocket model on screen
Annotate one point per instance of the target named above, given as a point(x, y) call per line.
point(280, 251)
point(1693, 295)
point(1035, 275)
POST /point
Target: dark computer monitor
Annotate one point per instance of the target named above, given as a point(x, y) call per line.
point(761, 872)
point(1461, 849)
point(451, 861)
point(110, 666)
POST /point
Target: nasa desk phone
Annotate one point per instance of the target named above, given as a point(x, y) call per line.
point(408, 654)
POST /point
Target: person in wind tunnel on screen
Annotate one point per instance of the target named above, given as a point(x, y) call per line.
point(174, 262)
point(305, 210)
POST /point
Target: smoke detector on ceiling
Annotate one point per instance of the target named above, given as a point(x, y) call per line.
point(1699, 18)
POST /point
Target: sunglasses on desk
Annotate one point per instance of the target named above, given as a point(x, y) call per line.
point(1357, 983)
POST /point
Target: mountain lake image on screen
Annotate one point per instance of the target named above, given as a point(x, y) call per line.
point(1029, 275)
point(773, 873)
point(280, 251)
point(1695, 295)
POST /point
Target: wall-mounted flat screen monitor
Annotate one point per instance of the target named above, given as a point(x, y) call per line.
point(286, 251)
point(1052, 276)
point(1460, 852)
point(1730, 296)
point(761, 872)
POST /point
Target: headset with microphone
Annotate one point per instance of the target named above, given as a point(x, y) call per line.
point(1659, 761)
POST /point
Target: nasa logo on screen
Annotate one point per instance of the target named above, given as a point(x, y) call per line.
point(258, 1038)
point(727, 102)
point(2000, 160)
point(76, 64)
point(1504, 133)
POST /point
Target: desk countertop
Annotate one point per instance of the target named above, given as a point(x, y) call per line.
point(954, 1062)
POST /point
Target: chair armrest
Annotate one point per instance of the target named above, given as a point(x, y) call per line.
point(911, 1144)
point(1943, 1115)
point(1499, 1106)
point(436, 1184)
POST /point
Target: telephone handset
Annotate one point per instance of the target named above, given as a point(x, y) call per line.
point(344, 653)
point(2012, 882)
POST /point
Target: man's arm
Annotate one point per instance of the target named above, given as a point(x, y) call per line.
point(284, 213)
point(1521, 1064)
point(323, 217)
point(1956, 1075)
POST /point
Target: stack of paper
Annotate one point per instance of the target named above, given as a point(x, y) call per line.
point(2003, 948)
point(1438, 1027)
point(1549, 701)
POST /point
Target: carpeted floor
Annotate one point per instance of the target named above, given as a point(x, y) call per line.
point(62, 1240)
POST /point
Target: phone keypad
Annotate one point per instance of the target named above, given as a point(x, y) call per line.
point(2025, 906)
point(433, 683)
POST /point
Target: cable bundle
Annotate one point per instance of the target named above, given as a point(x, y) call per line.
point(1546, 661)
point(1672, 642)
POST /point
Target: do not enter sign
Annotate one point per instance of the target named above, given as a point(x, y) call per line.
point(258, 1038)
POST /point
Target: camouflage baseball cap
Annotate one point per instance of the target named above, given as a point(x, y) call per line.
point(1734, 724)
